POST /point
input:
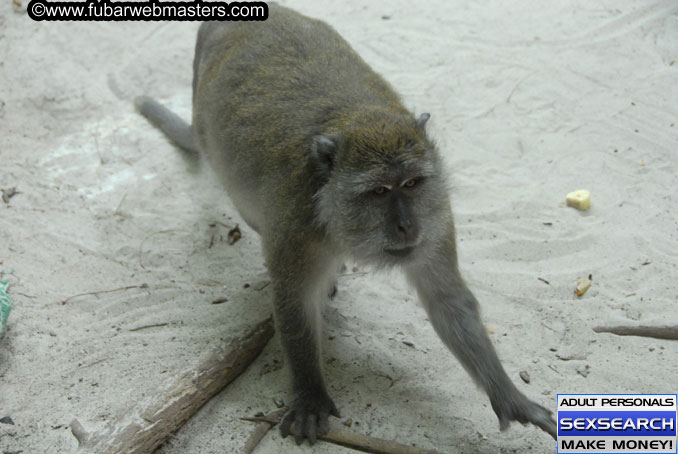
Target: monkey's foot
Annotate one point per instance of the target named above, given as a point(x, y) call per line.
point(520, 408)
point(310, 413)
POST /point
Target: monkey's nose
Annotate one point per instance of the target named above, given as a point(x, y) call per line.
point(406, 233)
point(401, 232)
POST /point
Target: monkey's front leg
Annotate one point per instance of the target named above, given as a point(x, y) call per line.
point(298, 296)
point(454, 314)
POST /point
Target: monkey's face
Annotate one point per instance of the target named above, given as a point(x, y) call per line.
point(384, 206)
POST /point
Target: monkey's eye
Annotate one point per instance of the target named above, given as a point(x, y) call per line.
point(410, 183)
point(381, 190)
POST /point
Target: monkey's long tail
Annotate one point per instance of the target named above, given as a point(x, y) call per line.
point(175, 128)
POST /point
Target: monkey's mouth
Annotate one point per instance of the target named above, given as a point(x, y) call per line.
point(403, 252)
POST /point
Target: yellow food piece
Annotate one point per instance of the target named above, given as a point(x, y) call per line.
point(580, 199)
point(583, 285)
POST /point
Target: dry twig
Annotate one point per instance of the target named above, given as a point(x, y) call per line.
point(150, 424)
point(657, 332)
point(155, 325)
point(8, 194)
point(372, 445)
point(100, 292)
point(348, 438)
point(264, 424)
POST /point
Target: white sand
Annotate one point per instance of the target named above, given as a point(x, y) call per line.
point(529, 100)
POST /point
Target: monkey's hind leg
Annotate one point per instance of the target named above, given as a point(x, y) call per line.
point(173, 126)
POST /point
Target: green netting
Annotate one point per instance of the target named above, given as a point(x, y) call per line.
point(5, 306)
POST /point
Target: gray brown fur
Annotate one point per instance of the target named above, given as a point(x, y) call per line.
point(322, 159)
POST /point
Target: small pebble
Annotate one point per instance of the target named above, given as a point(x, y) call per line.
point(524, 376)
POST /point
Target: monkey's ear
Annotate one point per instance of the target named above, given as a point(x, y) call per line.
point(323, 152)
point(423, 118)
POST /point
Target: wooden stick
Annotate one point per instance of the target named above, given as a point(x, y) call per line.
point(658, 332)
point(360, 442)
point(343, 437)
point(152, 422)
point(264, 424)
point(103, 291)
point(259, 433)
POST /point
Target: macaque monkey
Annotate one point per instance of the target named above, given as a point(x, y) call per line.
point(322, 159)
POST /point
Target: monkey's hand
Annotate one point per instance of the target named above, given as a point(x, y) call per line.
point(519, 408)
point(309, 412)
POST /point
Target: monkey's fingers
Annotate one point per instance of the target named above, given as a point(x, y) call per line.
point(323, 423)
point(286, 423)
point(299, 427)
point(305, 425)
point(524, 411)
point(548, 425)
point(310, 428)
point(542, 418)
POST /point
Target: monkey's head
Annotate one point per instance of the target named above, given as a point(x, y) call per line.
point(383, 195)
